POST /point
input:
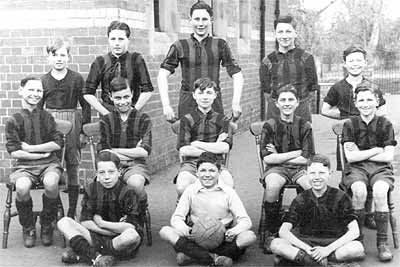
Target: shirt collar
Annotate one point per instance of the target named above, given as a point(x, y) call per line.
point(120, 58)
point(196, 42)
point(373, 119)
point(288, 52)
point(220, 186)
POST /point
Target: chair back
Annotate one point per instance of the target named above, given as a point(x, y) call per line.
point(337, 129)
point(65, 127)
point(256, 130)
point(91, 130)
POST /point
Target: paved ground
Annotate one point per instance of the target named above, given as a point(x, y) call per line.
point(162, 201)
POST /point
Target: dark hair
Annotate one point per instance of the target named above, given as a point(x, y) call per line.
point(118, 83)
point(208, 157)
point(107, 156)
point(287, 88)
point(201, 5)
point(27, 79)
point(57, 43)
point(353, 49)
point(319, 158)
point(204, 83)
point(285, 19)
point(366, 86)
point(117, 25)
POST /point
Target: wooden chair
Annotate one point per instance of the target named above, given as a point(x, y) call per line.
point(65, 128)
point(256, 130)
point(92, 131)
point(337, 128)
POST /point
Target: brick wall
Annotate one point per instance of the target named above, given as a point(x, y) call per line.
point(22, 53)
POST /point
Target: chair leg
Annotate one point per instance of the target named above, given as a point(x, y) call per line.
point(393, 221)
point(7, 216)
point(261, 225)
point(147, 225)
point(60, 215)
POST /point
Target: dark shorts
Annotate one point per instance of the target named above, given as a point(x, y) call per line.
point(369, 172)
point(187, 103)
point(35, 173)
point(303, 110)
point(316, 241)
point(291, 174)
point(133, 167)
point(103, 244)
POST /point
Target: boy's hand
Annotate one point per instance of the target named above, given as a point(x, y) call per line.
point(26, 147)
point(169, 113)
point(47, 154)
point(230, 235)
point(82, 140)
point(319, 253)
point(236, 110)
point(222, 137)
point(271, 148)
point(98, 220)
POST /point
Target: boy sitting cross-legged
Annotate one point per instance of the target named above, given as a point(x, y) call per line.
point(109, 226)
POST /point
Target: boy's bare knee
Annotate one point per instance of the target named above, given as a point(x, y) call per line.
point(277, 245)
point(136, 182)
point(246, 239)
point(65, 222)
point(22, 186)
point(130, 236)
point(183, 180)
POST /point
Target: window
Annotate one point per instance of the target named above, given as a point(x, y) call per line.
point(156, 5)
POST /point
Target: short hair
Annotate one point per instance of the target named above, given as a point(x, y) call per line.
point(287, 88)
point(319, 158)
point(107, 156)
point(55, 44)
point(201, 5)
point(208, 157)
point(354, 49)
point(118, 84)
point(204, 83)
point(118, 25)
point(25, 80)
point(285, 19)
point(366, 86)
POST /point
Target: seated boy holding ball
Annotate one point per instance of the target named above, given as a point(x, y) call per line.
point(199, 204)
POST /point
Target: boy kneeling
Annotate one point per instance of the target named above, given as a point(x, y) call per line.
point(202, 198)
point(369, 148)
point(109, 227)
point(326, 226)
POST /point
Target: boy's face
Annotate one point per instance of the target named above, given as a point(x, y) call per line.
point(118, 42)
point(205, 98)
point(32, 92)
point(122, 100)
point(107, 173)
point(59, 59)
point(366, 102)
point(318, 175)
point(355, 63)
point(287, 103)
point(208, 174)
point(285, 34)
point(201, 22)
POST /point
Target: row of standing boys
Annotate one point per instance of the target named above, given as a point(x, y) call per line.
point(111, 223)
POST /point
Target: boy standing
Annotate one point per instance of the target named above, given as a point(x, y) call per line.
point(118, 62)
point(369, 148)
point(108, 228)
point(200, 198)
point(126, 132)
point(32, 139)
point(326, 226)
point(200, 56)
point(286, 144)
point(201, 130)
point(288, 65)
point(62, 91)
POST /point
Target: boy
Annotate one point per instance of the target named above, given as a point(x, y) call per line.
point(339, 102)
point(326, 224)
point(32, 139)
point(199, 199)
point(202, 130)
point(288, 65)
point(286, 144)
point(119, 61)
point(214, 52)
point(108, 228)
point(369, 148)
point(62, 91)
point(127, 133)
